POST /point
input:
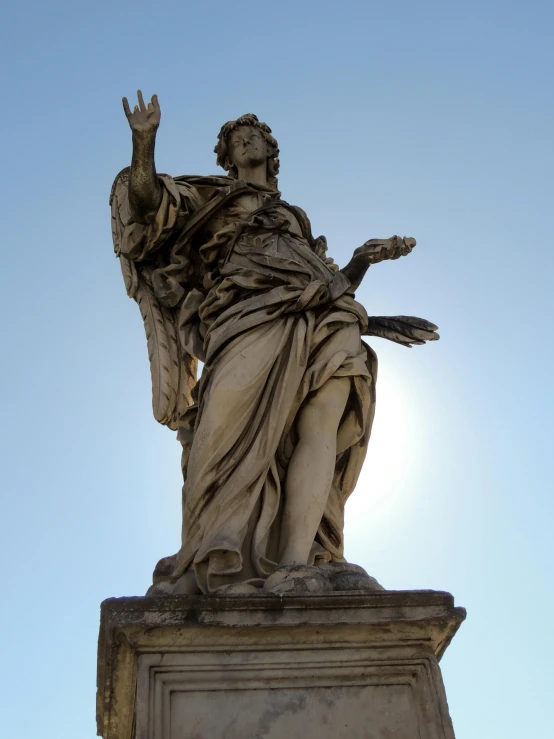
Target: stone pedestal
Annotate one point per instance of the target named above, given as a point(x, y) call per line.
point(341, 666)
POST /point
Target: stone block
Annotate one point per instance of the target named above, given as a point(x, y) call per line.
point(340, 666)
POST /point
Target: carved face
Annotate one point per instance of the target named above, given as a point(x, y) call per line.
point(247, 147)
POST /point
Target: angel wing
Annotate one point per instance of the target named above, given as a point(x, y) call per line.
point(405, 330)
point(173, 369)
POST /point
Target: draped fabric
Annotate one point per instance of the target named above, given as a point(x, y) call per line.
point(271, 318)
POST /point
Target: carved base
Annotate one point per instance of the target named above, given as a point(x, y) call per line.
point(340, 666)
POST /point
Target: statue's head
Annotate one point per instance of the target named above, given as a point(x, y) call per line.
point(247, 142)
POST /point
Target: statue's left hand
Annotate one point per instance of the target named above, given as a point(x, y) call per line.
point(377, 250)
point(372, 252)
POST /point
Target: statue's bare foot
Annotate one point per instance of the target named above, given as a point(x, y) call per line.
point(297, 579)
point(344, 576)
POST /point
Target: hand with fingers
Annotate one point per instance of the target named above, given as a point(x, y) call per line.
point(377, 250)
point(145, 192)
point(144, 118)
point(373, 252)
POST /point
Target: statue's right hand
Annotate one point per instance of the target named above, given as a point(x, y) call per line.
point(144, 118)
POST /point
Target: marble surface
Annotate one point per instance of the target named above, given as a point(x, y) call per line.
point(275, 431)
point(328, 666)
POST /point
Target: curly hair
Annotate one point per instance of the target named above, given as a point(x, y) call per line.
point(222, 147)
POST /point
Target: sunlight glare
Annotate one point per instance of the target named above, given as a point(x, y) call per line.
point(397, 440)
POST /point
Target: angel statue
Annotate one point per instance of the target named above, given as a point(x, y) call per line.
point(275, 430)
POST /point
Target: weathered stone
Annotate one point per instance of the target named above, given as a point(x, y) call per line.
point(340, 666)
point(275, 433)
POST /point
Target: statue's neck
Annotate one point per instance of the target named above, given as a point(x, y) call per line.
point(257, 175)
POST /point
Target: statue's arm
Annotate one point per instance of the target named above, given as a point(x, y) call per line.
point(373, 252)
point(145, 191)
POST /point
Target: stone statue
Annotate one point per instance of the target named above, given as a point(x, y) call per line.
point(275, 431)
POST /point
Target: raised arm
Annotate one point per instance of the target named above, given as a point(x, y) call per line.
point(145, 192)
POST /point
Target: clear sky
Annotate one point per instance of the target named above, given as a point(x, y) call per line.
point(426, 119)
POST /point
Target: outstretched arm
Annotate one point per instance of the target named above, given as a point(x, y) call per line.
point(145, 191)
point(372, 252)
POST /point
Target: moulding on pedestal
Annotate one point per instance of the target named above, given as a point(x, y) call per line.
point(346, 665)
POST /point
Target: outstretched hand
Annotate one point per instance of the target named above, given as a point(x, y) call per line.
point(144, 118)
point(377, 250)
point(372, 252)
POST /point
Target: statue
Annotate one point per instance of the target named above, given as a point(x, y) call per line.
point(275, 431)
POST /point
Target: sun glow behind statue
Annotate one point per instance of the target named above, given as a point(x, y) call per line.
point(393, 462)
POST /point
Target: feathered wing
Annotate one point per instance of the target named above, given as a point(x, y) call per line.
point(173, 369)
point(405, 330)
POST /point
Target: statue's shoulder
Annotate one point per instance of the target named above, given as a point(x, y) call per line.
point(121, 178)
point(192, 180)
point(198, 180)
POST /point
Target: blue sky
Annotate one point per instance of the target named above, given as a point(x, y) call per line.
point(428, 119)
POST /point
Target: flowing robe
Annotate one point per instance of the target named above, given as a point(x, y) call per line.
point(272, 319)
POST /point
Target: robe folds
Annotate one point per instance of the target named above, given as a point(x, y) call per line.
point(258, 302)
